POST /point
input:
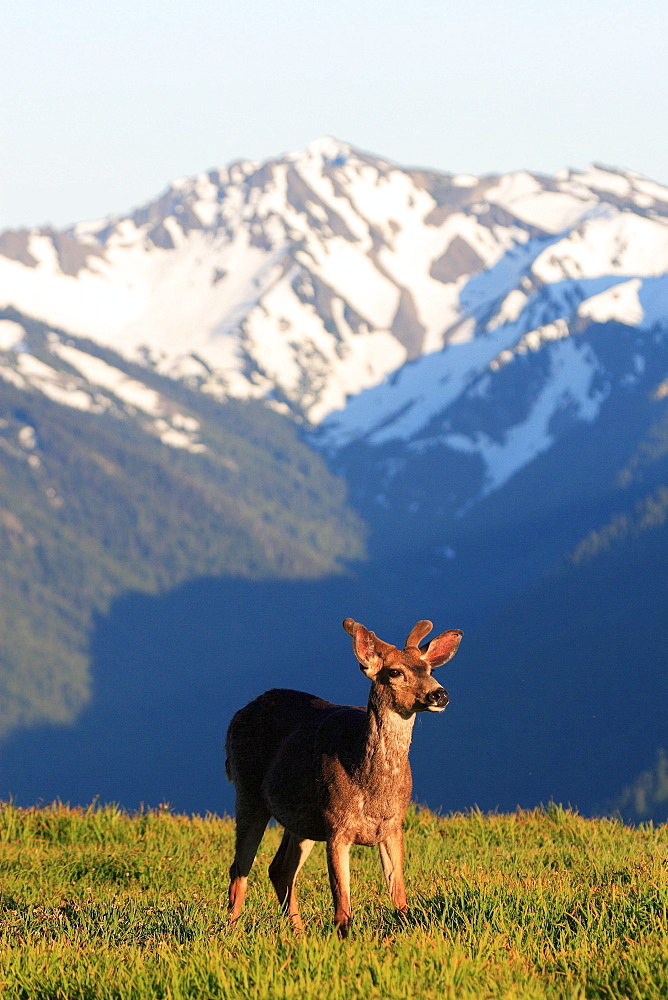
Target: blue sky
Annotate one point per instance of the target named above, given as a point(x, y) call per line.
point(102, 104)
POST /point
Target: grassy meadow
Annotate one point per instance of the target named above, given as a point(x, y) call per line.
point(99, 904)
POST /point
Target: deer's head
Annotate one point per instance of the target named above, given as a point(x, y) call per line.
point(403, 676)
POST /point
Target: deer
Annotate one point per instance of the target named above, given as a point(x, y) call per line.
point(333, 773)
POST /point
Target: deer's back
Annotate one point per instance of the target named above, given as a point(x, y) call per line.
point(259, 731)
point(274, 752)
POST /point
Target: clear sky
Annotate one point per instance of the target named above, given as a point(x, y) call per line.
point(104, 102)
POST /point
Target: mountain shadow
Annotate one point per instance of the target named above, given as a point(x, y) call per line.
point(169, 671)
point(558, 692)
point(561, 694)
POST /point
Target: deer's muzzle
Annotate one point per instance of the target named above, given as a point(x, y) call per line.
point(437, 700)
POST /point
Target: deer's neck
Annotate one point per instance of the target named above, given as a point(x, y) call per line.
point(387, 739)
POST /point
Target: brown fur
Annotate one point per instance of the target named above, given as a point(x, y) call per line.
point(333, 773)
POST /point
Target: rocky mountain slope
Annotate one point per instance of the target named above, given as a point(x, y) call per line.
point(312, 277)
point(483, 361)
point(125, 481)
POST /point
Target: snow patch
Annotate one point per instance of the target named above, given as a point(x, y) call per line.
point(552, 211)
point(531, 341)
point(178, 432)
point(54, 384)
point(483, 290)
point(400, 408)
point(570, 387)
point(621, 303)
point(510, 310)
point(612, 243)
point(98, 372)
point(9, 374)
point(605, 180)
point(11, 334)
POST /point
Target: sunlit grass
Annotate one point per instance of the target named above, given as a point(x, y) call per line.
point(98, 904)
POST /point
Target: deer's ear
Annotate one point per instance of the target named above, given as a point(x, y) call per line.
point(364, 647)
point(442, 648)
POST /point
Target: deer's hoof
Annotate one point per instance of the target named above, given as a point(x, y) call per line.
point(343, 927)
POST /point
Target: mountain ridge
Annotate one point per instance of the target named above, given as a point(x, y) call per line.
point(342, 387)
point(308, 278)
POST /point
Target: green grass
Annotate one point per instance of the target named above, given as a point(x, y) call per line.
point(98, 904)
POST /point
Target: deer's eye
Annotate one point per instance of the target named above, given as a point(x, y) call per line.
point(395, 673)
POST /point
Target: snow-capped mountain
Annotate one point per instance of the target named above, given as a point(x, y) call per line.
point(486, 362)
point(371, 300)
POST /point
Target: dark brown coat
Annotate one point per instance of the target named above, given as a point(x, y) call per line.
point(331, 772)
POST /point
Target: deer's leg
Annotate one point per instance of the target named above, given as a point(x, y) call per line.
point(251, 820)
point(283, 872)
point(392, 860)
point(338, 866)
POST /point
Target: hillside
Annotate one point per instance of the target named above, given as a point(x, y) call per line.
point(93, 505)
point(327, 385)
point(561, 577)
point(566, 695)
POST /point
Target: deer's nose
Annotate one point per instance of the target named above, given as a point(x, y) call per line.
point(438, 698)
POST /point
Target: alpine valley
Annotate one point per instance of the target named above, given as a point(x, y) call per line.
point(323, 386)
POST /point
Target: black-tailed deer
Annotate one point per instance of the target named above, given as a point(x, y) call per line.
point(333, 773)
